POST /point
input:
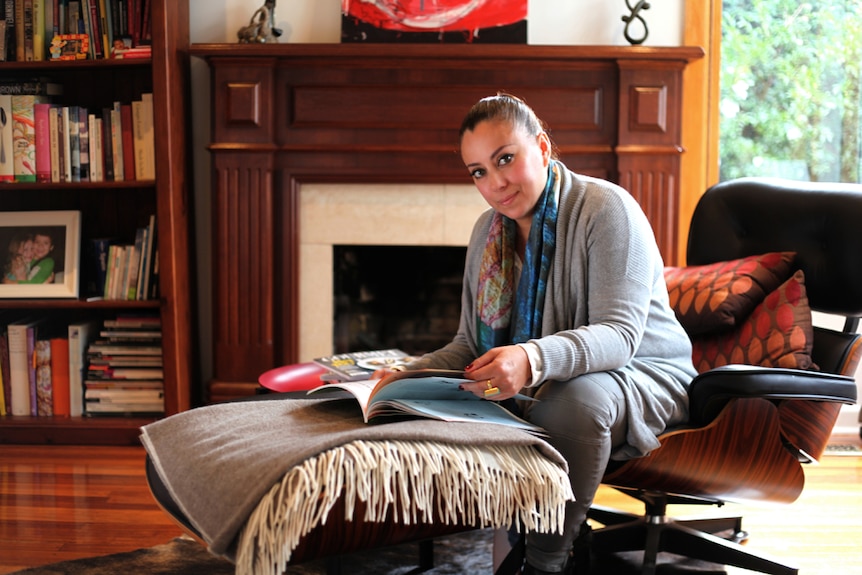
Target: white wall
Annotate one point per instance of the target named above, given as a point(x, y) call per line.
point(548, 21)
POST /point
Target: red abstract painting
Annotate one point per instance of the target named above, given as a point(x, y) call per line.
point(434, 20)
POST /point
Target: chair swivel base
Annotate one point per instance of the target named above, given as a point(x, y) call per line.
point(695, 538)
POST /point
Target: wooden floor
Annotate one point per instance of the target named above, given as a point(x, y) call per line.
point(59, 503)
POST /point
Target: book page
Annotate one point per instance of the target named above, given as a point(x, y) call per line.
point(479, 411)
point(361, 390)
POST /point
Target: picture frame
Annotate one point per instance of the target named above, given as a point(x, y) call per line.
point(50, 266)
point(70, 47)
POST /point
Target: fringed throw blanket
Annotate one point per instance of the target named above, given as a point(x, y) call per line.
point(254, 477)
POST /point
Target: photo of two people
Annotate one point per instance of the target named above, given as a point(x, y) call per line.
point(31, 255)
point(39, 254)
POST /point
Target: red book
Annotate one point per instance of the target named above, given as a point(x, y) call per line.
point(43, 141)
point(60, 376)
point(128, 142)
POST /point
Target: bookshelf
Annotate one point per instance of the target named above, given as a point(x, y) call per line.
point(116, 209)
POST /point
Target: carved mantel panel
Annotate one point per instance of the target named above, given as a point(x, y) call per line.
point(284, 115)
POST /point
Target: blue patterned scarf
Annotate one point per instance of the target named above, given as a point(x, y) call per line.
point(503, 316)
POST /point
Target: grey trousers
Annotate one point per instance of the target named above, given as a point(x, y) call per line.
point(586, 420)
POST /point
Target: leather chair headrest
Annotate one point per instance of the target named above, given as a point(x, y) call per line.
point(821, 222)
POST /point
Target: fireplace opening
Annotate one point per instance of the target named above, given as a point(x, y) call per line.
point(406, 297)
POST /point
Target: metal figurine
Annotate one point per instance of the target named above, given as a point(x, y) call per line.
point(635, 14)
point(261, 28)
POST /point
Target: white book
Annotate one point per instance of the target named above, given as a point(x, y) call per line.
point(100, 147)
point(117, 142)
point(80, 335)
point(142, 137)
point(95, 148)
point(54, 129)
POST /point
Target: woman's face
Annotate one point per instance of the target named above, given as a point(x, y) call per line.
point(508, 166)
point(41, 246)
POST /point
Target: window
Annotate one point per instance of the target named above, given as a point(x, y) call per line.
point(790, 89)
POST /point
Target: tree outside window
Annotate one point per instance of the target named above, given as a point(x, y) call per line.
point(790, 89)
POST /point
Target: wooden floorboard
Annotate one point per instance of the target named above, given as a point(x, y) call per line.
point(59, 503)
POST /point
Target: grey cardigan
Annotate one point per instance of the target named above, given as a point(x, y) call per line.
point(606, 309)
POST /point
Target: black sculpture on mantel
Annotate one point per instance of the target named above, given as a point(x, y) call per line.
point(261, 28)
point(635, 15)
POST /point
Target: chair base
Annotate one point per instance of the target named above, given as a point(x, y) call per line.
point(655, 532)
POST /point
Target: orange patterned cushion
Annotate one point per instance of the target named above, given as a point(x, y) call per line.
point(718, 296)
point(778, 333)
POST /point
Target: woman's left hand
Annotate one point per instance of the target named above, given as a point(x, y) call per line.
point(500, 373)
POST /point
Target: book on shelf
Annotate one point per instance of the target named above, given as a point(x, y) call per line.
point(360, 364)
point(96, 371)
point(126, 409)
point(124, 384)
point(65, 136)
point(6, 385)
point(27, 12)
point(128, 334)
point(109, 348)
point(107, 146)
point(123, 395)
point(117, 142)
point(127, 137)
point(134, 266)
point(119, 271)
point(38, 29)
point(80, 335)
point(42, 142)
point(96, 266)
point(147, 272)
point(147, 322)
point(54, 143)
point(22, 372)
point(24, 136)
point(7, 143)
point(43, 377)
point(84, 143)
point(60, 366)
point(31, 87)
point(428, 393)
point(143, 137)
point(30, 26)
point(74, 143)
point(124, 367)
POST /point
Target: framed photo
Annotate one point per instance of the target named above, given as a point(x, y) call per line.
point(40, 253)
point(69, 47)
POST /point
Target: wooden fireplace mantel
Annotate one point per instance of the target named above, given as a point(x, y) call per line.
point(286, 114)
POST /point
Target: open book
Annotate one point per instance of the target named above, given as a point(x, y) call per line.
point(431, 393)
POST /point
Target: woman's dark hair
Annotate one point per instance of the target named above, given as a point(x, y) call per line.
point(506, 108)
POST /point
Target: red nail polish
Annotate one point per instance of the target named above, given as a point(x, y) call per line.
point(469, 367)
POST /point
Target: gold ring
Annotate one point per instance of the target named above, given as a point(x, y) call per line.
point(488, 383)
point(492, 391)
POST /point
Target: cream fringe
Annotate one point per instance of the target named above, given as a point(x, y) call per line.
point(482, 486)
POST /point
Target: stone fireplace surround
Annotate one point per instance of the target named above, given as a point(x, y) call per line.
point(296, 125)
point(369, 214)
